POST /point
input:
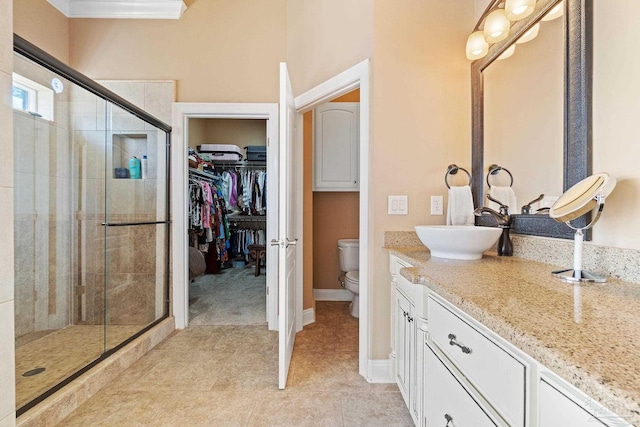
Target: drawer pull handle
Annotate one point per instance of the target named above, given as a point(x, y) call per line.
point(449, 419)
point(452, 341)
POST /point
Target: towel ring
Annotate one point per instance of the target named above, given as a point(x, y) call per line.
point(494, 169)
point(452, 170)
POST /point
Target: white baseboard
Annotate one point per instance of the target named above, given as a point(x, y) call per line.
point(332, 295)
point(308, 316)
point(379, 371)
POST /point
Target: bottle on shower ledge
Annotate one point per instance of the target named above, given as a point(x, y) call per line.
point(134, 168)
point(143, 167)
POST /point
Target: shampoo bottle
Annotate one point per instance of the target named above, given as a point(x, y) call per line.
point(143, 166)
point(134, 168)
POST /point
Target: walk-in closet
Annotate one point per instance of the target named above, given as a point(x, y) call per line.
point(227, 221)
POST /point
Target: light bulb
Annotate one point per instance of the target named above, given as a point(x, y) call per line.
point(496, 26)
point(477, 46)
point(555, 12)
point(507, 53)
point(518, 9)
point(530, 34)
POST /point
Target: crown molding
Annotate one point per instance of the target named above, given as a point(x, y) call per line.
point(121, 9)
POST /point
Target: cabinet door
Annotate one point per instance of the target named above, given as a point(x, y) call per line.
point(335, 147)
point(404, 340)
point(446, 402)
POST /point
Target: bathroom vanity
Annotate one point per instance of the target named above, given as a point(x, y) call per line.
point(500, 342)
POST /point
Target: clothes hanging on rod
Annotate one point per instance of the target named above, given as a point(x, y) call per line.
point(208, 215)
point(245, 191)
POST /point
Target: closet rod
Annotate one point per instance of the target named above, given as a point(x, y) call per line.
point(233, 165)
point(243, 218)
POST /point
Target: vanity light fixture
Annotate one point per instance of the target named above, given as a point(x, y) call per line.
point(496, 26)
point(518, 9)
point(477, 46)
point(531, 34)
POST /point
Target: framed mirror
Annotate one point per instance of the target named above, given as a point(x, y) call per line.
point(550, 145)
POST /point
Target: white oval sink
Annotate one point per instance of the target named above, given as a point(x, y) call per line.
point(457, 241)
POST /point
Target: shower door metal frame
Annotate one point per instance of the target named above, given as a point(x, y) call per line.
point(42, 58)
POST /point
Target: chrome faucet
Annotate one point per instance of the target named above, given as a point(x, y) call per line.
point(504, 219)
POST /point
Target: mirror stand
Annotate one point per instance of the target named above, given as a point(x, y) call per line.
point(577, 274)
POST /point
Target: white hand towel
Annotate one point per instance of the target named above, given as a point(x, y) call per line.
point(460, 206)
point(506, 195)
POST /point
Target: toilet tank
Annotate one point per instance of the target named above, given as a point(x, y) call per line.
point(349, 253)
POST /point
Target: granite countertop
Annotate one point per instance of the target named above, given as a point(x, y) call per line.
point(588, 334)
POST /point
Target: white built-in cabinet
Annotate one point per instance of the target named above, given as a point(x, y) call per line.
point(455, 372)
point(336, 142)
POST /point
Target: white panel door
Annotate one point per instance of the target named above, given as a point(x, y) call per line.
point(286, 230)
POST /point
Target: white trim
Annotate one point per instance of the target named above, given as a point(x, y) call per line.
point(308, 316)
point(182, 112)
point(332, 295)
point(130, 9)
point(379, 371)
point(348, 80)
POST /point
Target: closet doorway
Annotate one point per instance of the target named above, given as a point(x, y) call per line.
point(227, 221)
point(233, 290)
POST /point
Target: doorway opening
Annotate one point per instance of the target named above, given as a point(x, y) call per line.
point(231, 293)
point(227, 221)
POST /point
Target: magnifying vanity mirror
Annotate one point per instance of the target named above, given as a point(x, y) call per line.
point(532, 112)
point(586, 196)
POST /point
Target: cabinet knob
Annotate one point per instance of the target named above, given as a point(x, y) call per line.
point(449, 419)
point(452, 341)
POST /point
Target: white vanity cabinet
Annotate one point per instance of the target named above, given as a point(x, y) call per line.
point(447, 402)
point(495, 371)
point(408, 328)
point(336, 145)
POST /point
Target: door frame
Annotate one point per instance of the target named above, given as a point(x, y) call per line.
point(355, 77)
point(182, 112)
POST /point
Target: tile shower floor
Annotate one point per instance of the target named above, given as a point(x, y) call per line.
point(61, 352)
point(227, 376)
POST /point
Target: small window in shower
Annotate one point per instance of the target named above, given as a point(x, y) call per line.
point(32, 97)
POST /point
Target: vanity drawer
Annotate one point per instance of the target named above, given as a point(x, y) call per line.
point(499, 376)
point(446, 402)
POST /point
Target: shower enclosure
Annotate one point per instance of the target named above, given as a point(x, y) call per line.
point(91, 242)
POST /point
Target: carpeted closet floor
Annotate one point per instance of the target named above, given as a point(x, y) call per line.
point(233, 297)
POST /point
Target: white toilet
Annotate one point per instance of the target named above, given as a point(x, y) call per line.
point(349, 253)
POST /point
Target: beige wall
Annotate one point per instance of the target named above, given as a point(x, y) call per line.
point(325, 38)
point(7, 352)
point(219, 51)
point(335, 216)
point(616, 103)
point(43, 25)
point(240, 132)
point(421, 122)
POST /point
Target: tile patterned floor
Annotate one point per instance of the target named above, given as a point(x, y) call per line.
point(62, 353)
point(227, 376)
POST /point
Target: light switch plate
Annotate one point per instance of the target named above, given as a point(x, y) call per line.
point(398, 205)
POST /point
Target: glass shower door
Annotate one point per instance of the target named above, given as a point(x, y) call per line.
point(135, 225)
